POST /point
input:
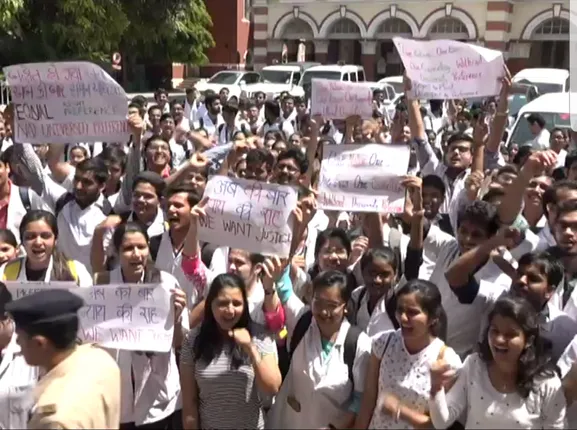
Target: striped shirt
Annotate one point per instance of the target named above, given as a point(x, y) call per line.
point(222, 389)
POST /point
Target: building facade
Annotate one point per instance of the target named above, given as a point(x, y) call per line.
point(530, 33)
point(232, 34)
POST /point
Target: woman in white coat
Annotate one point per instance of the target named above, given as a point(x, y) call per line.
point(43, 262)
point(329, 358)
point(150, 390)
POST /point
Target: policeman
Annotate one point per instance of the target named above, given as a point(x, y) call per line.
point(81, 386)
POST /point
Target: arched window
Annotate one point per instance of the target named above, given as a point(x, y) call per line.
point(344, 29)
point(552, 29)
point(449, 28)
point(394, 26)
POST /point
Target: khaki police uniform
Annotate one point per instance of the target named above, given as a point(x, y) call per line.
point(82, 392)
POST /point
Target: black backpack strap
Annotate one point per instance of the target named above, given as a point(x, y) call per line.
point(395, 237)
point(106, 206)
point(61, 202)
point(25, 197)
point(350, 350)
point(201, 122)
point(391, 307)
point(154, 244)
point(301, 328)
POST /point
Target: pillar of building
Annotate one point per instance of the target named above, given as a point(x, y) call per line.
point(369, 58)
point(260, 34)
point(518, 56)
point(498, 25)
point(321, 51)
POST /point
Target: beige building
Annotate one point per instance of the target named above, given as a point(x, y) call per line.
point(531, 33)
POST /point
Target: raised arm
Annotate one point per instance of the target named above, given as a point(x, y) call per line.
point(133, 164)
point(501, 117)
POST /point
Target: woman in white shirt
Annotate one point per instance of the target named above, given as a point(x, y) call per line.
point(329, 357)
point(150, 390)
point(17, 378)
point(397, 385)
point(510, 383)
point(379, 271)
point(43, 262)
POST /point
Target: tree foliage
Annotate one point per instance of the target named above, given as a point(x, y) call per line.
point(50, 30)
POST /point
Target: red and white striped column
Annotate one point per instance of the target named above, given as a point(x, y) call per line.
point(498, 25)
point(260, 34)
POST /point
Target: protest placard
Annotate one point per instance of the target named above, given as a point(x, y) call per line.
point(250, 215)
point(66, 102)
point(363, 178)
point(134, 317)
point(447, 69)
point(339, 100)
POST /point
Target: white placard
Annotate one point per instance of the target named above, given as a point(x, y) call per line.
point(339, 100)
point(447, 69)
point(66, 102)
point(134, 317)
point(250, 215)
point(363, 178)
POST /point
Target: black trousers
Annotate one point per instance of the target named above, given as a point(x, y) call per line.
point(171, 422)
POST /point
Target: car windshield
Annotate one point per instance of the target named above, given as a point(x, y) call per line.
point(318, 74)
point(522, 134)
point(398, 86)
point(516, 102)
point(225, 78)
point(276, 76)
point(546, 87)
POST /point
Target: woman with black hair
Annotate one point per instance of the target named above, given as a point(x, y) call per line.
point(43, 261)
point(150, 391)
point(396, 386)
point(510, 383)
point(325, 379)
point(227, 363)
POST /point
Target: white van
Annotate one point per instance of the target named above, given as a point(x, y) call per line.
point(336, 72)
point(553, 107)
point(546, 80)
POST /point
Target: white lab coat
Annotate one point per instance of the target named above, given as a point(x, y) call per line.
point(17, 379)
point(155, 393)
point(84, 277)
point(322, 389)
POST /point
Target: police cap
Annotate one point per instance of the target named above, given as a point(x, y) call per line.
point(48, 306)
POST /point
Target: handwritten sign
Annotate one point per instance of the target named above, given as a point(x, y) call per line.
point(363, 178)
point(134, 317)
point(339, 100)
point(447, 69)
point(66, 102)
point(250, 215)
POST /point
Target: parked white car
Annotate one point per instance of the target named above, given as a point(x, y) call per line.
point(234, 80)
point(395, 81)
point(335, 72)
point(278, 78)
point(546, 80)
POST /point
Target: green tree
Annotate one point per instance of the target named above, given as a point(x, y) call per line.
point(51, 30)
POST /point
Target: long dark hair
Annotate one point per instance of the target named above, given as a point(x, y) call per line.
point(210, 340)
point(429, 299)
point(151, 273)
point(535, 360)
point(60, 269)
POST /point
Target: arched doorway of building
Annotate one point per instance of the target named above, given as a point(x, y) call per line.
point(449, 28)
point(550, 44)
point(344, 42)
point(298, 31)
point(388, 61)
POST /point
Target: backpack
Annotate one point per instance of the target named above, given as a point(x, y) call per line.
point(68, 197)
point(350, 345)
point(12, 270)
point(390, 306)
point(25, 197)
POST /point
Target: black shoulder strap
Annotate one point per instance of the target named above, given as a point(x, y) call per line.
point(155, 246)
point(350, 351)
point(61, 202)
point(25, 197)
point(106, 206)
point(301, 328)
point(220, 127)
point(391, 307)
point(395, 237)
point(201, 122)
point(362, 295)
